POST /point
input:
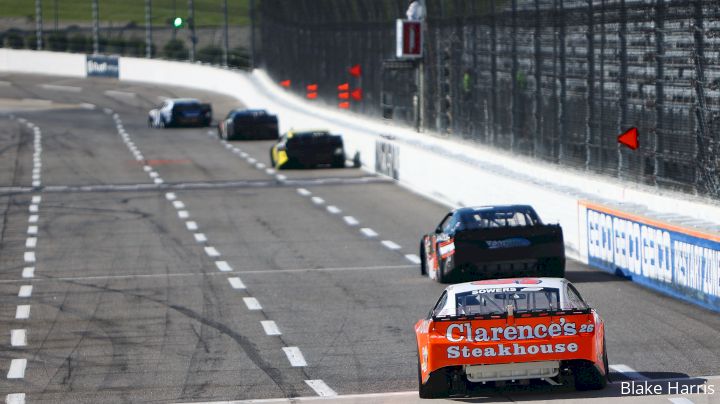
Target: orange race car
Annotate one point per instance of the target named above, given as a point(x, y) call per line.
point(506, 331)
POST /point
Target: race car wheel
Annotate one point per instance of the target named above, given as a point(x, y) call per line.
point(437, 385)
point(588, 377)
point(423, 259)
point(444, 269)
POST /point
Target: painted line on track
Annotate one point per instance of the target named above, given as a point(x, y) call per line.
point(28, 272)
point(351, 221)
point(15, 398)
point(368, 232)
point(236, 283)
point(395, 396)
point(25, 291)
point(223, 266)
point(295, 357)
point(252, 303)
point(212, 251)
point(333, 209)
point(391, 244)
point(413, 258)
point(191, 225)
point(270, 327)
point(304, 192)
point(628, 372)
point(18, 338)
point(17, 369)
point(321, 388)
point(200, 237)
point(22, 312)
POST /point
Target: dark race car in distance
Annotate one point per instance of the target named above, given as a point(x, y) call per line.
point(310, 148)
point(249, 124)
point(180, 112)
point(490, 242)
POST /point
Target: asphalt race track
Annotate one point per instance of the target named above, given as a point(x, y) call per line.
point(203, 275)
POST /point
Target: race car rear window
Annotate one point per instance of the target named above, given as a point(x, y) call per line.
point(493, 219)
point(497, 300)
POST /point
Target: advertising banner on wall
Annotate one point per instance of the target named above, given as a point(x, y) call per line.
point(102, 66)
point(678, 261)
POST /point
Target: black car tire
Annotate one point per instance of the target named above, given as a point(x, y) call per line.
point(437, 385)
point(588, 377)
point(338, 162)
point(423, 259)
point(272, 160)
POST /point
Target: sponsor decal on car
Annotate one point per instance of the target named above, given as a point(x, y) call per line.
point(508, 243)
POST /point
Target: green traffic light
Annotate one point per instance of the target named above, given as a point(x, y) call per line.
point(177, 22)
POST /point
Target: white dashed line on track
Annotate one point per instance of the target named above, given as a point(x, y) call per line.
point(32, 230)
point(681, 400)
point(22, 312)
point(628, 372)
point(280, 177)
point(28, 272)
point(191, 225)
point(158, 181)
point(270, 171)
point(333, 209)
point(25, 291)
point(368, 232)
point(17, 369)
point(304, 192)
point(391, 244)
point(270, 327)
point(260, 166)
point(183, 214)
point(33, 218)
point(29, 256)
point(147, 169)
point(212, 252)
point(18, 338)
point(252, 303)
point(223, 266)
point(200, 237)
point(413, 258)
point(56, 87)
point(36, 199)
point(351, 221)
point(178, 205)
point(15, 398)
point(251, 160)
point(236, 283)
point(31, 242)
point(294, 356)
point(322, 389)
point(33, 208)
point(170, 196)
point(318, 200)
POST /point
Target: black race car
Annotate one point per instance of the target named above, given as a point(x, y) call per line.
point(180, 112)
point(308, 149)
point(249, 124)
point(492, 242)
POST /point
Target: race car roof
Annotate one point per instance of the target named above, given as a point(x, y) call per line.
point(184, 100)
point(514, 208)
point(557, 283)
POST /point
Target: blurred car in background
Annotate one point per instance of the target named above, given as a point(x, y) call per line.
point(249, 124)
point(176, 112)
point(492, 241)
point(309, 148)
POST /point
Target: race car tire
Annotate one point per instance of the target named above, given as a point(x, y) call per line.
point(338, 163)
point(444, 269)
point(150, 123)
point(423, 259)
point(437, 385)
point(588, 377)
point(272, 160)
point(554, 267)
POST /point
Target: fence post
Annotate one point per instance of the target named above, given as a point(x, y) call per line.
point(622, 117)
point(38, 24)
point(705, 175)
point(96, 27)
point(538, 135)
point(514, 73)
point(562, 116)
point(590, 94)
point(659, 86)
point(148, 29)
point(226, 39)
point(493, 72)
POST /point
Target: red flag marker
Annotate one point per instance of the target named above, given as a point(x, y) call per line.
point(344, 95)
point(344, 105)
point(356, 71)
point(357, 94)
point(285, 83)
point(312, 87)
point(629, 138)
point(312, 96)
point(344, 87)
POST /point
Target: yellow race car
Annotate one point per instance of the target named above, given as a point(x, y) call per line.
point(309, 148)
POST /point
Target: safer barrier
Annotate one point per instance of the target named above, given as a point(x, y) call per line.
point(459, 173)
point(678, 261)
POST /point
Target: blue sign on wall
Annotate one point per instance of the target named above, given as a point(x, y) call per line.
point(102, 66)
point(682, 263)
